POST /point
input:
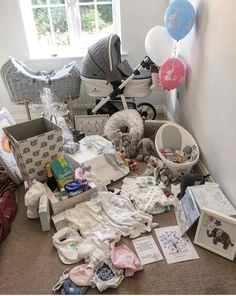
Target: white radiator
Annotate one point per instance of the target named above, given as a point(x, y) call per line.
point(84, 102)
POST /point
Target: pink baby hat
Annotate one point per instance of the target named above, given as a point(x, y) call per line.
point(123, 257)
point(81, 274)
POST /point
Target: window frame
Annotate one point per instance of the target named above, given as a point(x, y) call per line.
point(74, 26)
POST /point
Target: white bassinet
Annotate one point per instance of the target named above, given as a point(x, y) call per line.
point(24, 84)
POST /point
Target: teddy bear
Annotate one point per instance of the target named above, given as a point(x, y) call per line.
point(145, 149)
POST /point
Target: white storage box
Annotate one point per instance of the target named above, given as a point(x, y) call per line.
point(34, 143)
point(172, 135)
point(103, 170)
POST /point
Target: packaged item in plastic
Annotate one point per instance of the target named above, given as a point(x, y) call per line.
point(62, 170)
point(74, 188)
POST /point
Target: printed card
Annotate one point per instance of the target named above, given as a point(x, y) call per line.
point(176, 248)
point(147, 249)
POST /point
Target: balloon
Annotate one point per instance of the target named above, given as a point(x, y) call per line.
point(171, 73)
point(158, 44)
point(179, 18)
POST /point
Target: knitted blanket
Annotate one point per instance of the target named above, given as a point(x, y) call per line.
point(8, 205)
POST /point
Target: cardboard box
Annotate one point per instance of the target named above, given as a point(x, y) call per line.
point(34, 143)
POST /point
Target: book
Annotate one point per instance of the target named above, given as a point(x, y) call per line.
point(44, 213)
point(187, 212)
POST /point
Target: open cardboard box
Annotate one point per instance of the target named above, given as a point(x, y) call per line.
point(34, 143)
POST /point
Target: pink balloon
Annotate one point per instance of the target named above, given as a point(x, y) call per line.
point(172, 71)
point(156, 81)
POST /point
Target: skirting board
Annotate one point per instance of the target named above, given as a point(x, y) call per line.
point(204, 171)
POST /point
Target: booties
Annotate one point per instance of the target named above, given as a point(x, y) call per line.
point(32, 197)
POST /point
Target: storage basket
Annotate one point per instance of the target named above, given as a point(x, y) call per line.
point(63, 205)
point(172, 135)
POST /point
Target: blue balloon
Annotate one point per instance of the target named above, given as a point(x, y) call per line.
point(179, 18)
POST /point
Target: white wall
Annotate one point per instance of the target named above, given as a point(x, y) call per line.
point(207, 102)
point(137, 18)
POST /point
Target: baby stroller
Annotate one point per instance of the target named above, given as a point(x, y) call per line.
point(106, 76)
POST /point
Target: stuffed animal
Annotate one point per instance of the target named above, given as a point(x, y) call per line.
point(32, 197)
point(145, 149)
point(115, 137)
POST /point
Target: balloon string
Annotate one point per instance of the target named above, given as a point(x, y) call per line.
point(174, 50)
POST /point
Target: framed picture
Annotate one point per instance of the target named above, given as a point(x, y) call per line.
point(217, 233)
point(7, 159)
point(91, 124)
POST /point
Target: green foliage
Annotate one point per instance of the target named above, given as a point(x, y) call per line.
point(38, 2)
point(105, 13)
point(88, 20)
point(41, 20)
point(59, 19)
point(104, 18)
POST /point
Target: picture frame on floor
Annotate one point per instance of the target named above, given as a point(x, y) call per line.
point(216, 232)
point(7, 159)
point(91, 124)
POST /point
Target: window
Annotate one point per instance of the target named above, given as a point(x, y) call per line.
point(65, 27)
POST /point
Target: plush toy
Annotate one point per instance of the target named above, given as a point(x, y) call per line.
point(115, 137)
point(145, 149)
point(32, 197)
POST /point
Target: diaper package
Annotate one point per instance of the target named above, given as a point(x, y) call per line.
point(62, 170)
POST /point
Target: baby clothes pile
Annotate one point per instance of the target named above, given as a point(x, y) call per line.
point(146, 195)
point(107, 274)
point(94, 227)
point(101, 222)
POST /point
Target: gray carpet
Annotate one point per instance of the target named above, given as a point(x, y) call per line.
point(29, 264)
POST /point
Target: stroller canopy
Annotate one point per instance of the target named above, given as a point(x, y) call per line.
point(103, 61)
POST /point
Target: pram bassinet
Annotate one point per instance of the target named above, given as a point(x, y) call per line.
point(103, 70)
point(24, 84)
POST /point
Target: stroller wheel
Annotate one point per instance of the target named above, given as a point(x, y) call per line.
point(89, 112)
point(147, 111)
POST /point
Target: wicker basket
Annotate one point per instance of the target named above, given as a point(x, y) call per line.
point(24, 84)
point(61, 206)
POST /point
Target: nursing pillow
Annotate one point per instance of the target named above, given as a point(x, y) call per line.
point(130, 121)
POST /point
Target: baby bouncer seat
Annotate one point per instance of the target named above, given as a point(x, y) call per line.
point(106, 76)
